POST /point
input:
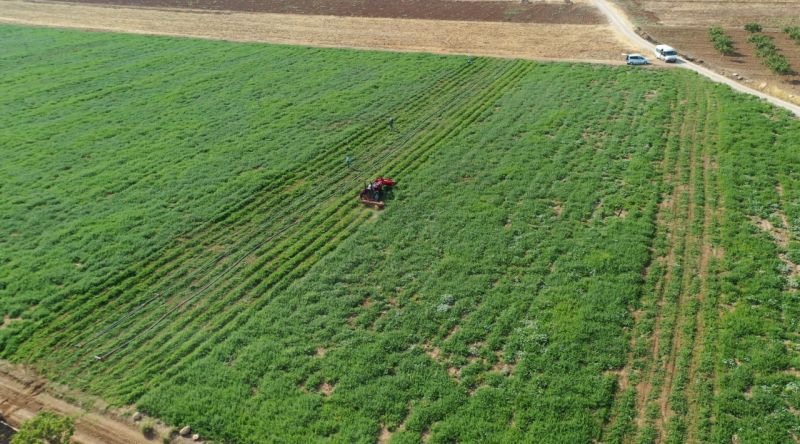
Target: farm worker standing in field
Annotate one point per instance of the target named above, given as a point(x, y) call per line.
point(391, 123)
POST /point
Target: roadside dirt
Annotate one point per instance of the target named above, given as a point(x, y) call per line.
point(23, 394)
point(489, 11)
point(541, 41)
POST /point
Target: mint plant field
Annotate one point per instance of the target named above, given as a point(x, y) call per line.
point(573, 253)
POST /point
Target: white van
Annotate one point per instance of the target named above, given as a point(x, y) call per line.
point(636, 59)
point(666, 53)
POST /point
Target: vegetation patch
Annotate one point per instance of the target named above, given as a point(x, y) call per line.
point(549, 267)
point(721, 40)
point(793, 32)
point(769, 54)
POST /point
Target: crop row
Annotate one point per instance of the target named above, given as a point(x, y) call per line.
point(721, 40)
point(768, 52)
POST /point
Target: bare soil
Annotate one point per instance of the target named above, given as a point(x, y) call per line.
point(385, 435)
point(545, 41)
point(489, 11)
point(728, 13)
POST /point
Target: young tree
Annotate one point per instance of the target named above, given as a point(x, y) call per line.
point(752, 27)
point(45, 428)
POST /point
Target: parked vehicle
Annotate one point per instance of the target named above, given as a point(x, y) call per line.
point(666, 53)
point(636, 59)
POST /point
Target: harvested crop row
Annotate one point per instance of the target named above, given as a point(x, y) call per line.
point(278, 249)
point(265, 286)
point(248, 214)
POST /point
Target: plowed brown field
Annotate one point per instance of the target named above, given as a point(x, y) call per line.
point(489, 11)
point(522, 40)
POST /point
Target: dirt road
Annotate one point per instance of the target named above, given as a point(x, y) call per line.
point(537, 41)
point(623, 26)
point(23, 394)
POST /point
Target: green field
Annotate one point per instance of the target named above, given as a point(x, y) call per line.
point(574, 253)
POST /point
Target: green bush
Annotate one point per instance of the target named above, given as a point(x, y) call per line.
point(752, 27)
point(45, 427)
point(722, 42)
point(148, 429)
point(793, 32)
point(761, 41)
point(778, 64)
point(769, 54)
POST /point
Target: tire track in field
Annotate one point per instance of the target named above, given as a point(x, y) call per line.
point(683, 302)
point(667, 218)
point(172, 263)
point(617, 428)
point(465, 114)
point(710, 213)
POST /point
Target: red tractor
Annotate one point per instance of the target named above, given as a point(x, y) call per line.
point(374, 193)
